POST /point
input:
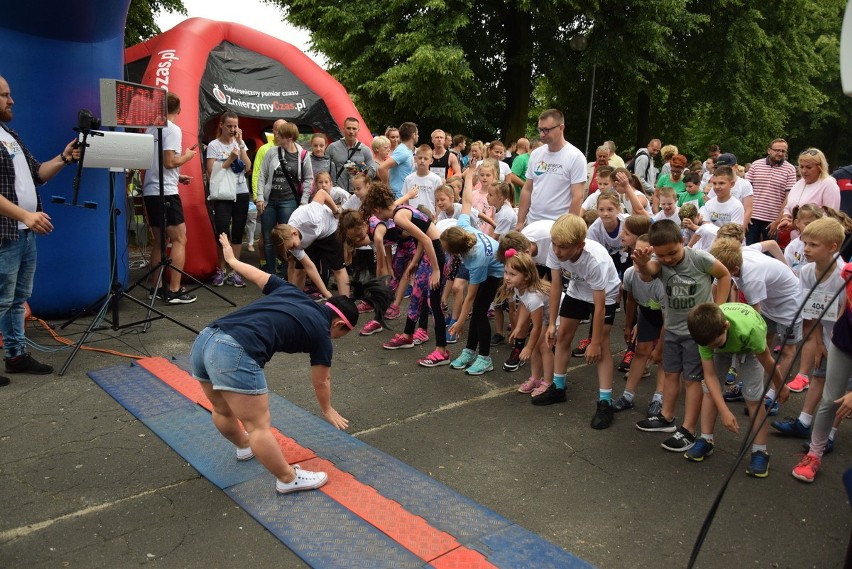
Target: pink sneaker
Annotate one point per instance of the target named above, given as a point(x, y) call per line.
point(806, 469)
point(399, 341)
point(370, 328)
point(392, 313)
point(420, 336)
point(799, 383)
point(363, 307)
point(542, 387)
point(529, 385)
point(435, 359)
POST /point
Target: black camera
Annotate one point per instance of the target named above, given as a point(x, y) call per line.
point(87, 121)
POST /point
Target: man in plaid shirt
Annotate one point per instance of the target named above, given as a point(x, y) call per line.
point(21, 218)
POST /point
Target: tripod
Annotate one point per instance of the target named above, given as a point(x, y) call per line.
point(111, 299)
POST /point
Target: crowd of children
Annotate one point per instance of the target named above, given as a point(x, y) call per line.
point(702, 307)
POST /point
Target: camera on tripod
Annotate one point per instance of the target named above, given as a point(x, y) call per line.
point(87, 121)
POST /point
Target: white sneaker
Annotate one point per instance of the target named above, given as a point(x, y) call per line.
point(244, 454)
point(305, 480)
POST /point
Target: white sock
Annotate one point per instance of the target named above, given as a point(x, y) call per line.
point(628, 395)
point(832, 433)
point(806, 419)
point(755, 448)
point(771, 393)
point(708, 438)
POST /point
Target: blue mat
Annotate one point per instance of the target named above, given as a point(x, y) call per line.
point(318, 529)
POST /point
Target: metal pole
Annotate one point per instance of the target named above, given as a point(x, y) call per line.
point(591, 102)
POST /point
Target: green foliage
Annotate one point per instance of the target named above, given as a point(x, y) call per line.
point(731, 72)
point(140, 24)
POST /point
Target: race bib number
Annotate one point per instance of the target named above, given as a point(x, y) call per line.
point(816, 303)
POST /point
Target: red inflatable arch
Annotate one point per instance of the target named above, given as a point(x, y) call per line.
point(219, 66)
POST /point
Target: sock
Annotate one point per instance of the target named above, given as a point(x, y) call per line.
point(708, 438)
point(559, 380)
point(628, 395)
point(771, 393)
point(755, 448)
point(658, 396)
point(605, 395)
point(832, 433)
point(805, 419)
point(519, 343)
point(805, 376)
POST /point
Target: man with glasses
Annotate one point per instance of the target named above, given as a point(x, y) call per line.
point(771, 179)
point(556, 174)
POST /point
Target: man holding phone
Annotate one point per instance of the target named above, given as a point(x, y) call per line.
point(154, 206)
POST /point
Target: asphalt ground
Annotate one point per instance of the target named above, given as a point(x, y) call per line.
point(84, 484)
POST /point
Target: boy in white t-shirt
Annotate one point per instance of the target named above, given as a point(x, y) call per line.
point(724, 208)
point(668, 205)
point(423, 179)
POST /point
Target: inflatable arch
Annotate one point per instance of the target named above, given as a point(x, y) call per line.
point(219, 66)
point(54, 55)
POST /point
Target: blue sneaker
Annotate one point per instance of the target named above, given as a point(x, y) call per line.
point(451, 338)
point(772, 408)
point(699, 450)
point(465, 359)
point(759, 465)
point(791, 427)
point(481, 365)
point(733, 392)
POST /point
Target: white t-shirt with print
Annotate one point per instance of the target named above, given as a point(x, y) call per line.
point(426, 186)
point(794, 252)
point(598, 233)
point(25, 189)
point(539, 233)
point(593, 270)
point(815, 302)
point(720, 213)
point(220, 151)
point(706, 235)
point(314, 221)
point(552, 174)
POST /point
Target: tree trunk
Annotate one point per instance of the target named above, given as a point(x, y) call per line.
point(643, 119)
point(517, 78)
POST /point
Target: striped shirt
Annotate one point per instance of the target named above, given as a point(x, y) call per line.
point(771, 182)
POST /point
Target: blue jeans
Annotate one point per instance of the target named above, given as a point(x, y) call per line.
point(17, 269)
point(276, 212)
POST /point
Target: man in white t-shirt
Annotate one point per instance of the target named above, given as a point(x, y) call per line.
point(556, 172)
point(21, 217)
point(169, 207)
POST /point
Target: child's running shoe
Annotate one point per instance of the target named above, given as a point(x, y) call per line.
point(219, 278)
point(681, 441)
point(465, 359)
point(392, 313)
point(514, 361)
point(399, 341)
point(420, 336)
point(655, 407)
point(733, 392)
point(435, 359)
point(657, 423)
point(799, 383)
point(807, 469)
point(363, 307)
point(580, 350)
point(451, 338)
point(622, 404)
point(370, 328)
point(625, 361)
point(792, 427)
point(759, 465)
point(552, 395)
point(481, 365)
point(497, 339)
point(603, 416)
point(529, 385)
point(305, 480)
point(699, 450)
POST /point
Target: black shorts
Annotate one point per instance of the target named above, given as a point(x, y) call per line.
point(154, 210)
point(650, 324)
point(577, 309)
point(326, 252)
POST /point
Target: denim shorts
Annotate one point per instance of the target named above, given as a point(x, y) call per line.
point(218, 359)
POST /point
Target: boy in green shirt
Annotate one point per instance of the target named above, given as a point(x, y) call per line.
point(719, 331)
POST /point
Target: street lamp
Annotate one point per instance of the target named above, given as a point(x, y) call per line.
point(578, 44)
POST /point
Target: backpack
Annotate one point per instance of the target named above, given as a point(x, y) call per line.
point(631, 165)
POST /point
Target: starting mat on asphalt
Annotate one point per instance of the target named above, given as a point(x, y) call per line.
point(403, 518)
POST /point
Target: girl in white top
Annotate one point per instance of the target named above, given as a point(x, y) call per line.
point(500, 198)
point(522, 279)
point(606, 229)
point(794, 253)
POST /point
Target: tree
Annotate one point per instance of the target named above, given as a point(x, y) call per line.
point(141, 24)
